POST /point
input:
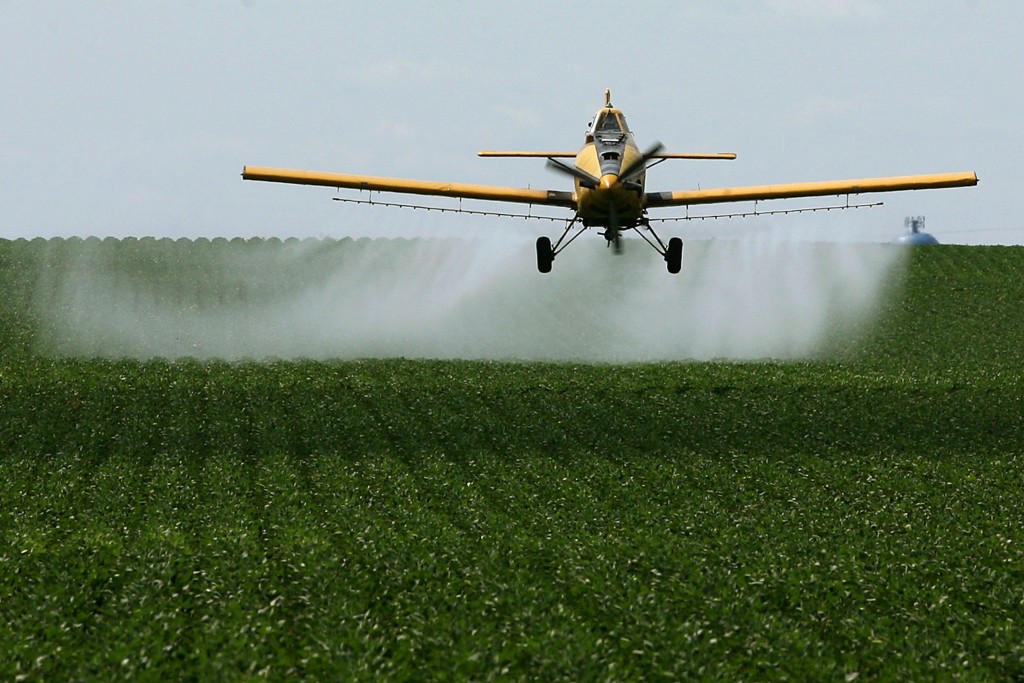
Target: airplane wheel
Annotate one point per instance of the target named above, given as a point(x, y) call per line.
point(674, 255)
point(545, 255)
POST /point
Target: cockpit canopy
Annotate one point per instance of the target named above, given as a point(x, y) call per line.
point(609, 121)
point(609, 128)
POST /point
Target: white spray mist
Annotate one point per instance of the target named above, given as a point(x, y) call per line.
point(472, 299)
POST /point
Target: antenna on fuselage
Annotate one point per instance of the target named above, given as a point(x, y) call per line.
point(607, 97)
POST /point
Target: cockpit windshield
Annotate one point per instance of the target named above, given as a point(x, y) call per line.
point(608, 123)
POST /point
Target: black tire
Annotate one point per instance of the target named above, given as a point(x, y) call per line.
point(545, 255)
point(674, 255)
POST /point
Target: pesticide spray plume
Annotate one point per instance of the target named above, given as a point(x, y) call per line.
point(455, 299)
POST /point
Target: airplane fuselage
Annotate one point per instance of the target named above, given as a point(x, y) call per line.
point(609, 149)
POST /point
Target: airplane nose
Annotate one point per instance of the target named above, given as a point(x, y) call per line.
point(609, 180)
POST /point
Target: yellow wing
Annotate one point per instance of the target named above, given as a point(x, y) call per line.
point(493, 153)
point(406, 186)
point(814, 189)
point(572, 155)
point(693, 155)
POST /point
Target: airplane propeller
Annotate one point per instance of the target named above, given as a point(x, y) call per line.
point(626, 174)
point(638, 165)
point(585, 178)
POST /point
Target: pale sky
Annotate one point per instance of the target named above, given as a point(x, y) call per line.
point(135, 118)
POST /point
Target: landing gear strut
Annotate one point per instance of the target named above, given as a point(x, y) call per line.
point(672, 253)
point(546, 252)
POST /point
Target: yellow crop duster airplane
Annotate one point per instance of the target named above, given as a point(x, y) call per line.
point(609, 175)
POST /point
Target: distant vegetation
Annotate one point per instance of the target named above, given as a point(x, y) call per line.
point(853, 517)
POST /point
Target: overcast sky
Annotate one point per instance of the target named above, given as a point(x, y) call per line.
point(135, 118)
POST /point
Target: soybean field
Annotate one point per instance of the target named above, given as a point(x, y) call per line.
point(850, 513)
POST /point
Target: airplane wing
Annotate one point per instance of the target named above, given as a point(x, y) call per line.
point(560, 155)
point(406, 186)
point(693, 155)
point(571, 155)
point(813, 189)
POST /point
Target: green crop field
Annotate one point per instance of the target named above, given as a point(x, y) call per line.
point(857, 515)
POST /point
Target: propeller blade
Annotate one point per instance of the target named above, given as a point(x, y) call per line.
point(638, 165)
point(585, 178)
